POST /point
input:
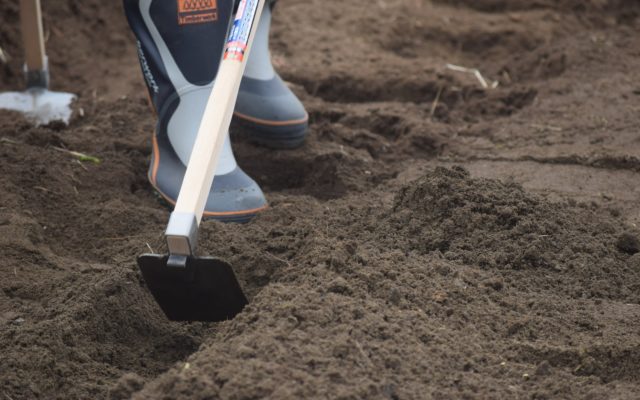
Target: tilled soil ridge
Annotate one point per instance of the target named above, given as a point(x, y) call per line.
point(461, 287)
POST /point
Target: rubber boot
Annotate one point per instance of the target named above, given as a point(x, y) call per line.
point(272, 114)
point(180, 44)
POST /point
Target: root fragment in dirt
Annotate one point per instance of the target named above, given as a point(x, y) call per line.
point(475, 72)
point(7, 140)
point(4, 57)
point(80, 156)
point(436, 101)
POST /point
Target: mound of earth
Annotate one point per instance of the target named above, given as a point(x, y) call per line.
point(497, 225)
point(461, 288)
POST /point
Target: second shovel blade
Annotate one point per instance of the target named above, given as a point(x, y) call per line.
point(40, 106)
point(205, 290)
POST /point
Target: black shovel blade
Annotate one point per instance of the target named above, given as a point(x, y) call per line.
point(206, 289)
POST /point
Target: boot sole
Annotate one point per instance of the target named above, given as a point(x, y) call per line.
point(238, 217)
point(272, 134)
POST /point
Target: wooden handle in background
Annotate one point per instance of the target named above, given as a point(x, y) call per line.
point(32, 34)
point(216, 120)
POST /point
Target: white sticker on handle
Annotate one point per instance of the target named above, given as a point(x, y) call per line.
point(239, 36)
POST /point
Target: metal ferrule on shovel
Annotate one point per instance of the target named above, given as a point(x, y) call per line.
point(187, 287)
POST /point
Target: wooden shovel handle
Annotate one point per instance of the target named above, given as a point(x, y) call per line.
point(32, 34)
point(215, 123)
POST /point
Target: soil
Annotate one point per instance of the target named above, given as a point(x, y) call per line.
point(433, 238)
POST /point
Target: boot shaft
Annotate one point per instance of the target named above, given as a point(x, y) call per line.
point(179, 43)
point(180, 47)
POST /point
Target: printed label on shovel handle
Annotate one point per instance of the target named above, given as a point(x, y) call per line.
point(239, 36)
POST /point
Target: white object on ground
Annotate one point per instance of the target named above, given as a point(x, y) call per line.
point(40, 106)
point(475, 72)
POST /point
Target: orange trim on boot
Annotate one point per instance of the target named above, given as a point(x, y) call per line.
point(211, 213)
point(156, 159)
point(272, 123)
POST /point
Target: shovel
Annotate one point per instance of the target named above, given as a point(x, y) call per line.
point(188, 287)
point(37, 103)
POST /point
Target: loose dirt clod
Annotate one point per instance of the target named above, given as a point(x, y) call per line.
point(628, 243)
